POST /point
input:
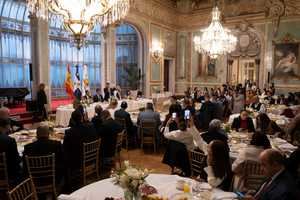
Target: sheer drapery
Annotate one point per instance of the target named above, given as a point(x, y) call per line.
point(15, 41)
point(126, 54)
point(62, 53)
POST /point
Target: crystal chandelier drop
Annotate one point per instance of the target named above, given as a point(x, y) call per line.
point(80, 16)
point(215, 40)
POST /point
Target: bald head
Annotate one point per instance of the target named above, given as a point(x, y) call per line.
point(272, 161)
point(4, 113)
point(42, 132)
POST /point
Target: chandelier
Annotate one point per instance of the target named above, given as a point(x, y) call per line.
point(80, 16)
point(215, 40)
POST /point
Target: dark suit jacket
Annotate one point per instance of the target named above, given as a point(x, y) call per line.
point(73, 143)
point(255, 106)
point(46, 147)
point(282, 188)
point(41, 98)
point(293, 163)
point(97, 98)
point(106, 94)
point(237, 124)
point(206, 114)
point(97, 123)
point(214, 135)
point(121, 113)
point(9, 146)
point(108, 133)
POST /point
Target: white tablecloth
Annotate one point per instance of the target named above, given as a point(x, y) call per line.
point(63, 113)
point(165, 185)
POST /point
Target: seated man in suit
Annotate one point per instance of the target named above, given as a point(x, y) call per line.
point(280, 184)
point(108, 133)
point(97, 119)
point(257, 106)
point(14, 124)
point(8, 146)
point(243, 123)
point(74, 138)
point(150, 115)
point(123, 114)
point(107, 92)
point(43, 146)
point(98, 96)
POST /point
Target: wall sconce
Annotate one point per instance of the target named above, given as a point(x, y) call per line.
point(157, 51)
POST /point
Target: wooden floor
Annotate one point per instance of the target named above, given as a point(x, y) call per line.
point(146, 159)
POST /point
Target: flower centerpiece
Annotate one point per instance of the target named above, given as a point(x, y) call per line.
point(130, 179)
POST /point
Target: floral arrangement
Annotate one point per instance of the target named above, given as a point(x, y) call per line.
point(130, 179)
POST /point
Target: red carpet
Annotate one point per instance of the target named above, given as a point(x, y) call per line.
point(18, 109)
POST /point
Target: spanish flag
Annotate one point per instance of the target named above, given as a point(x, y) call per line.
point(68, 82)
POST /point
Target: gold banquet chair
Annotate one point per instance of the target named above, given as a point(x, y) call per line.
point(42, 171)
point(118, 148)
point(253, 175)
point(4, 185)
point(148, 134)
point(122, 122)
point(90, 163)
point(197, 162)
point(23, 191)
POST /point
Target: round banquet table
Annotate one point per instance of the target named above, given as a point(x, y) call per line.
point(165, 185)
point(63, 113)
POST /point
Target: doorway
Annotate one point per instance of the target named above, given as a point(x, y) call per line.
point(166, 75)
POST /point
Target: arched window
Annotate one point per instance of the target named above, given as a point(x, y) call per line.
point(126, 57)
point(62, 53)
point(15, 44)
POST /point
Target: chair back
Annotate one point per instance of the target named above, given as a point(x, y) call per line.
point(23, 191)
point(122, 122)
point(253, 175)
point(148, 133)
point(197, 162)
point(42, 171)
point(3, 173)
point(119, 142)
point(90, 162)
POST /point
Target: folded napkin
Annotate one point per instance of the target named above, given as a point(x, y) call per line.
point(69, 197)
point(221, 195)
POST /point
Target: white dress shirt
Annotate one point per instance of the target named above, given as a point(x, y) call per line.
point(211, 179)
point(190, 137)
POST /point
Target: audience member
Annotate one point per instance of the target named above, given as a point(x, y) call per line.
point(112, 107)
point(186, 134)
point(267, 126)
point(98, 96)
point(107, 92)
point(243, 123)
point(8, 146)
point(294, 130)
point(108, 134)
point(219, 173)
point(97, 119)
point(238, 101)
point(206, 113)
point(41, 100)
point(14, 124)
point(123, 114)
point(257, 106)
point(44, 146)
point(280, 184)
point(215, 132)
point(293, 165)
point(150, 115)
point(78, 134)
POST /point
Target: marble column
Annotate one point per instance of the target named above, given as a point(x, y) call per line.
point(110, 45)
point(40, 56)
